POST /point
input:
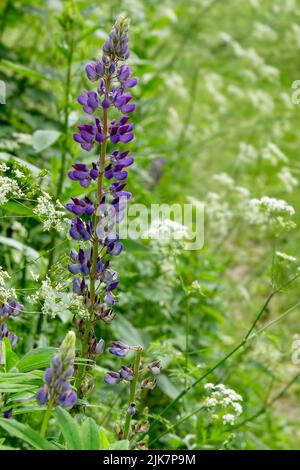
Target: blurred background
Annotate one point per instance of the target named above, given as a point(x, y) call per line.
point(216, 123)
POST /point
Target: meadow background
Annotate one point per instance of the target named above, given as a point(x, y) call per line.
point(215, 123)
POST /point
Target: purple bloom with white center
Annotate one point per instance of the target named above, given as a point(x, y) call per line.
point(126, 373)
point(57, 386)
point(154, 367)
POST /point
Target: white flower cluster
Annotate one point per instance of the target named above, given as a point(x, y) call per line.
point(52, 214)
point(287, 178)
point(225, 399)
point(55, 301)
point(272, 206)
point(273, 154)
point(9, 188)
point(247, 153)
point(6, 293)
point(166, 230)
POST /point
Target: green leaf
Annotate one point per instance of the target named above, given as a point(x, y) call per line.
point(167, 386)
point(90, 435)
point(36, 359)
point(119, 445)
point(27, 250)
point(104, 442)
point(25, 433)
point(43, 139)
point(9, 356)
point(23, 70)
point(69, 429)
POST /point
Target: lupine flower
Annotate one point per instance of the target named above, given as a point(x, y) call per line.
point(116, 45)
point(99, 347)
point(154, 367)
point(81, 206)
point(95, 70)
point(119, 349)
point(10, 309)
point(126, 373)
point(57, 387)
point(89, 101)
point(8, 414)
point(112, 378)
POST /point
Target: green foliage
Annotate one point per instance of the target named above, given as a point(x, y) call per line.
point(215, 123)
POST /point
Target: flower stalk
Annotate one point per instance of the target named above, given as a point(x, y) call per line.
point(133, 384)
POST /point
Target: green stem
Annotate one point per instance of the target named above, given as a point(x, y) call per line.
point(133, 384)
point(46, 419)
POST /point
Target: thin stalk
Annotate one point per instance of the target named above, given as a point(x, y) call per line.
point(46, 418)
point(88, 327)
point(133, 384)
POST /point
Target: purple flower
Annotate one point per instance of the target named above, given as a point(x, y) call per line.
point(126, 373)
point(112, 378)
point(81, 231)
point(82, 262)
point(116, 45)
point(95, 70)
point(119, 349)
point(88, 134)
point(121, 100)
point(57, 386)
point(83, 174)
point(154, 367)
point(68, 399)
point(8, 413)
point(89, 101)
point(42, 395)
point(81, 206)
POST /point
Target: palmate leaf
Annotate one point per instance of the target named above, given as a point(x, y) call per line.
point(25, 433)
point(69, 429)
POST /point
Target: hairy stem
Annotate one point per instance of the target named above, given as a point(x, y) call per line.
point(133, 384)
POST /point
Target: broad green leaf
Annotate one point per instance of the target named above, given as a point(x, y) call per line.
point(18, 209)
point(25, 433)
point(104, 442)
point(119, 445)
point(23, 70)
point(69, 429)
point(129, 333)
point(13, 388)
point(36, 359)
point(90, 435)
point(43, 139)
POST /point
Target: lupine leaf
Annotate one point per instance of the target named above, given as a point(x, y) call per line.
point(90, 435)
point(69, 429)
point(25, 433)
point(36, 359)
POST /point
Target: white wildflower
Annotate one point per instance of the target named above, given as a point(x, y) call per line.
point(19, 173)
point(52, 214)
point(3, 167)
point(228, 418)
point(224, 179)
point(264, 32)
point(286, 257)
point(247, 153)
point(166, 229)
point(288, 179)
point(273, 154)
point(9, 188)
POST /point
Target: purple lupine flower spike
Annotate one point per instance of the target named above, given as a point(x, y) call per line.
point(57, 386)
point(119, 349)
